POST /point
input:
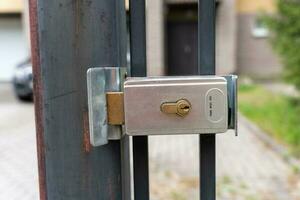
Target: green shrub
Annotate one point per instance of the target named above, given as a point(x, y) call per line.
point(285, 29)
point(276, 114)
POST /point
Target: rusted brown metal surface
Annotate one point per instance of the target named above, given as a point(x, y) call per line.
point(86, 133)
point(38, 97)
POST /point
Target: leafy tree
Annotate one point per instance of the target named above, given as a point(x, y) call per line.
point(285, 29)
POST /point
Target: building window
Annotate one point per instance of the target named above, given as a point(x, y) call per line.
point(259, 29)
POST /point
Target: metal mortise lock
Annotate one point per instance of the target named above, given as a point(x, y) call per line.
point(158, 105)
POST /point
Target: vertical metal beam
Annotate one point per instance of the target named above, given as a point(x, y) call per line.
point(206, 66)
point(138, 38)
point(125, 168)
point(138, 69)
point(38, 97)
point(125, 141)
point(68, 37)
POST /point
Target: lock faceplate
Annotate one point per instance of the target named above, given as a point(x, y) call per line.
point(145, 99)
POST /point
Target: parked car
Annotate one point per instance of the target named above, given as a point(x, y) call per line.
point(22, 81)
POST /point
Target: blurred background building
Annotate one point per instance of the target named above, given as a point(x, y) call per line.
point(242, 45)
point(254, 55)
point(14, 43)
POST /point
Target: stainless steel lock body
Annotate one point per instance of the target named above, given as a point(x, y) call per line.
point(207, 112)
point(158, 105)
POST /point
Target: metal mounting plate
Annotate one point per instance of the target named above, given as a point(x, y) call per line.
point(232, 84)
point(100, 81)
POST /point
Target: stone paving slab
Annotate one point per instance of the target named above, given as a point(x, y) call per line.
point(247, 169)
point(18, 160)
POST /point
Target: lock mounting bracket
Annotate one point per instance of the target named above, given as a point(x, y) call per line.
point(101, 81)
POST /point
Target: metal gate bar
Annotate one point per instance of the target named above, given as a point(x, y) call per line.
point(206, 66)
point(125, 168)
point(68, 37)
point(138, 69)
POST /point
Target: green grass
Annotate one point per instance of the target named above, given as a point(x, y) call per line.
point(276, 114)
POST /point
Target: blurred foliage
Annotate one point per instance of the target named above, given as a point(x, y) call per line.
point(276, 114)
point(285, 29)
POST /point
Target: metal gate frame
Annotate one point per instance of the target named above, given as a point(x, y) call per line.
point(139, 69)
point(68, 37)
point(206, 66)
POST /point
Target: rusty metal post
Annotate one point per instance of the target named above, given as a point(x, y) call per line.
point(67, 38)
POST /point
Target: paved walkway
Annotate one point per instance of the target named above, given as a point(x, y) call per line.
point(246, 168)
point(281, 88)
point(18, 161)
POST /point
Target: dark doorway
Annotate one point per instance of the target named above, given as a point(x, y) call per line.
point(181, 39)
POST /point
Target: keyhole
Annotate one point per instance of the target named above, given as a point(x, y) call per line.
point(183, 107)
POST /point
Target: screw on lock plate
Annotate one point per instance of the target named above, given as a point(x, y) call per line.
point(182, 107)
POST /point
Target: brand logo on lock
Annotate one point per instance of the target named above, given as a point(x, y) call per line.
point(214, 105)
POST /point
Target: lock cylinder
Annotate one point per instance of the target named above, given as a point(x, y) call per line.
point(182, 107)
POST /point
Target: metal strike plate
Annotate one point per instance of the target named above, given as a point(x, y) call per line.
point(100, 81)
point(144, 98)
point(232, 85)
